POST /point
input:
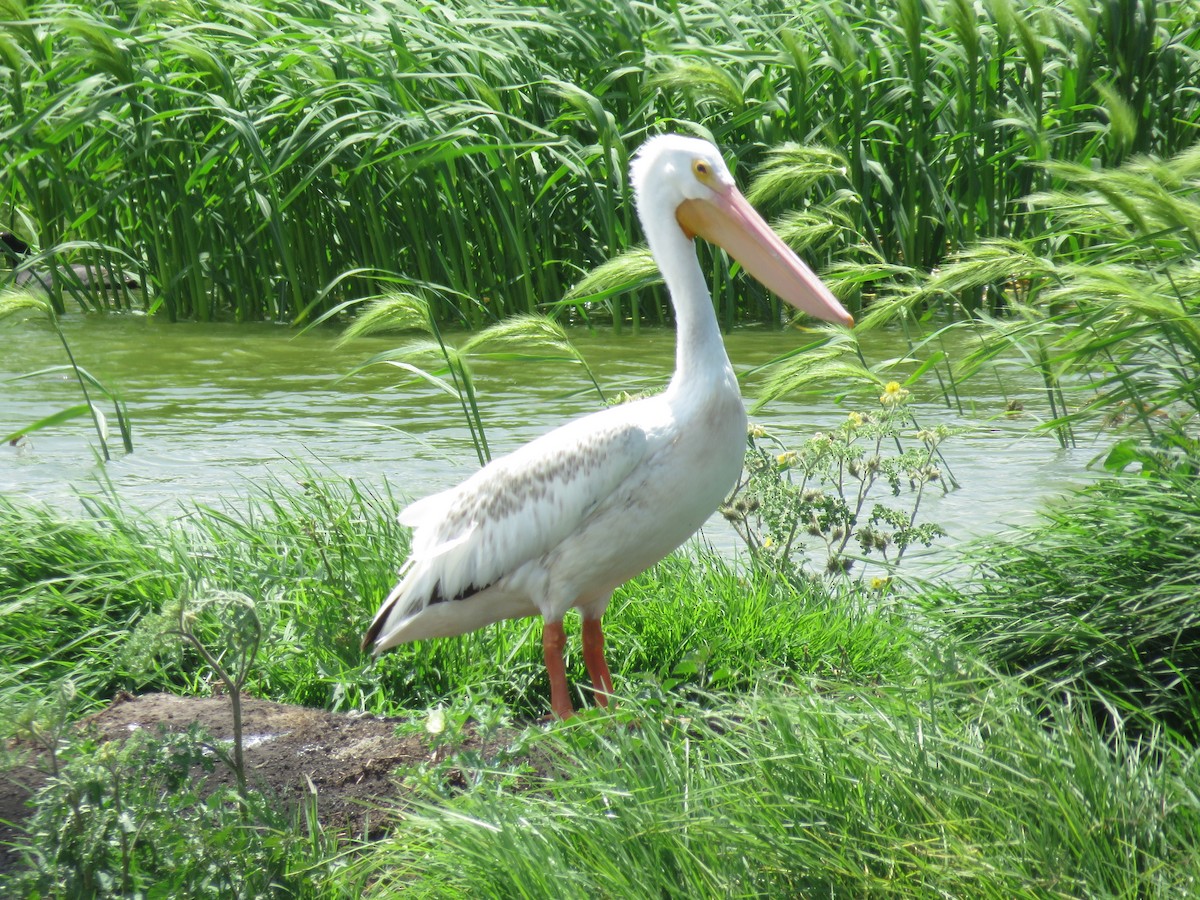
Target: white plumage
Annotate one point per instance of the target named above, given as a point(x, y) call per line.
point(567, 518)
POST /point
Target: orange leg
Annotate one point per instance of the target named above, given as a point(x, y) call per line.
point(553, 641)
point(593, 657)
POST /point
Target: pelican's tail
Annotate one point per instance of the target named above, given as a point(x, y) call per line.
point(425, 581)
point(413, 593)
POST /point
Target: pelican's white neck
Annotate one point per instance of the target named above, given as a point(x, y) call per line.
point(700, 358)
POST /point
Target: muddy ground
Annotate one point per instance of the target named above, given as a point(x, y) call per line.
point(349, 760)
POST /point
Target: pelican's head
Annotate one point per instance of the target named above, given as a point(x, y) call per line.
point(688, 175)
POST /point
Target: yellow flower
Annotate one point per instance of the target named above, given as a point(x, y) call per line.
point(892, 394)
point(855, 419)
point(786, 459)
point(756, 431)
point(878, 584)
point(768, 543)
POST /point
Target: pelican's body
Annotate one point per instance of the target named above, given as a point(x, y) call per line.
point(564, 520)
point(568, 508)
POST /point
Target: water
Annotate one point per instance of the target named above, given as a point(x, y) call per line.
point(217, 409)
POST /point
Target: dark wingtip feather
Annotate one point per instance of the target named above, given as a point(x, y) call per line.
point(438, 596)
point(372, 633)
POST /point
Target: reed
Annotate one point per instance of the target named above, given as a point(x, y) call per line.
point(272, 161)
point(1101, 305)
point(447, 366)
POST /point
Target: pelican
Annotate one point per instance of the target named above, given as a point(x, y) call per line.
point(566, 519)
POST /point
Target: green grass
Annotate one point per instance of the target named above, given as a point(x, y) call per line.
point(70, 591)
point(90, 599)
point(271, 161)
point(1099, 597)
point(766, 742)
point(957, 787)
point(1102, 304)
point(80, 593)
point(134, 821)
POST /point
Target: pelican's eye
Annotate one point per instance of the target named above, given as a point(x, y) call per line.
point(702, 170)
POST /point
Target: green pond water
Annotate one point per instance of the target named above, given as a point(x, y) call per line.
point(220, 409)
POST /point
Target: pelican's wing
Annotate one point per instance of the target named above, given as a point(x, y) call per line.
point(515, 509)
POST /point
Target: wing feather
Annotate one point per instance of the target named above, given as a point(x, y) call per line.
point(515, 509)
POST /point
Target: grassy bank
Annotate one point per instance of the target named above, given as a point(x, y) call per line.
point(774, 736)
point(92, 600)
point(956, 787)
point(1118, 616)
point(271, 161)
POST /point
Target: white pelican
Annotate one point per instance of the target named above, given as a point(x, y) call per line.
point(570, 516)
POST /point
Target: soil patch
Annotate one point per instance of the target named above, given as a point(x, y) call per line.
point(290, 751)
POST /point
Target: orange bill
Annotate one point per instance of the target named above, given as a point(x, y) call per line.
point(729, 221)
